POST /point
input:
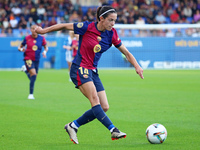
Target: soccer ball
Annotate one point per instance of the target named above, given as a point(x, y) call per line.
point(156, 133)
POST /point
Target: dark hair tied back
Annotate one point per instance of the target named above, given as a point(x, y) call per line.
point(103, 9)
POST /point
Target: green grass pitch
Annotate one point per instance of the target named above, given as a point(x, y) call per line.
point(169, 97)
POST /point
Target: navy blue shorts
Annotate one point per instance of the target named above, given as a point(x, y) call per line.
point(31, 65)
point(80, 75)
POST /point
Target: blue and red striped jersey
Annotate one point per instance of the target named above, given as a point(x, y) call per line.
point(34, 47)
point(92, 43)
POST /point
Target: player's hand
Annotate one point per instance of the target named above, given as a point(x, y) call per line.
point(39, 30)
point(44, 54)
point(139, 71)
point(21, 49)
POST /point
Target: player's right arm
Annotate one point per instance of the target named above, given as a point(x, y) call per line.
point(21, 48)
point(57, 27)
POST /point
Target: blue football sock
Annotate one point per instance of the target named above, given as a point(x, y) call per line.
point(32, 82)
point(28, 74)
point(102, 117)
point(85, 118)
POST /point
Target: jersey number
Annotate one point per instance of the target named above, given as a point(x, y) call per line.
point(83, 70)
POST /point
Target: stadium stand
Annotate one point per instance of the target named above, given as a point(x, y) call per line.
point(15, 15)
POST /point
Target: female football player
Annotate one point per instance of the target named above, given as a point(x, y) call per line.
point(94, 39)
point(33, 43)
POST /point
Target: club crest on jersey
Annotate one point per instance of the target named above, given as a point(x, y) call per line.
point(34, 41)
point(97, 48)
point(35, 47)
point(98, 38)
point(80, 25)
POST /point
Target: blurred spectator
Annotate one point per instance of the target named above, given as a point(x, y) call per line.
point(188, 32)
point(187, 11)
point(170, 11)
point(77, 5)
point(16, 10)
point(121, 33)
point(142, 33)
point(30, 22)
point(194, 33)
point(178, 33)
point(74, 17)
point(89, 15)
point(161, 33)
point(197, 16)
point(2, 34)
point(2, 12)
point(13, 21)
point(13, 3)
point(22, 22)
point(174, 17)
point(9, 32)
point(115, 4)
point(169, 33)
point(160, 18)
point(140, 21)
point(150, 18)
point(66, 16)
point(130, 34)
point(40, 11)
point(52, 22)
point(5, 23)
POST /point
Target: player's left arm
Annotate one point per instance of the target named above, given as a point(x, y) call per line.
point(56, 27)
point(132, 60)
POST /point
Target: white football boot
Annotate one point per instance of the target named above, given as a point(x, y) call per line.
point(116, 134)
point(72, 133)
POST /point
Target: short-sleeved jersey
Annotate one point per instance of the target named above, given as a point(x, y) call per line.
point(34, 47)
point(92, 43)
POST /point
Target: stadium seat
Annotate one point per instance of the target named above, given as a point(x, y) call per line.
point(189, 19)
point(157, 3)
point(168, 20)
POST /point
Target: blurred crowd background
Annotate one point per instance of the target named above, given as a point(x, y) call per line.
point(17, 16)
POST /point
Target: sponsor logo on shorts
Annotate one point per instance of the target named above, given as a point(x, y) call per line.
point(85, 76)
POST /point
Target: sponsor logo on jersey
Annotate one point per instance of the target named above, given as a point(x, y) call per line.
point(98, 38)
point(97, 48)
point(35, 47)
point(80, 25)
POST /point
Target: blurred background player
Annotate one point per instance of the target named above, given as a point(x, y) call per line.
point(67, 47)
point(74, 45)
point(71, 46)
point(33, 43)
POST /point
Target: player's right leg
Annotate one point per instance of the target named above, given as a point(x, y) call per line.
point(33, 76)
point(24, 69)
